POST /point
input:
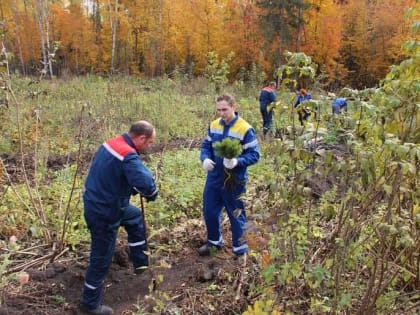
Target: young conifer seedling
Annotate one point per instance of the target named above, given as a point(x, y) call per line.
point(228, 148)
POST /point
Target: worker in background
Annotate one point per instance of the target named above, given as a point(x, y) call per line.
point(301, 98)
point(267, 97)
point(338, 105)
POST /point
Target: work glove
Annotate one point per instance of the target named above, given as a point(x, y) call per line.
point(230, 163)
point(208, 165)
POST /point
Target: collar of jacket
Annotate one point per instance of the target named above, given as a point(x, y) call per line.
point(234, 119)
point(268, 88)
point(129, 141)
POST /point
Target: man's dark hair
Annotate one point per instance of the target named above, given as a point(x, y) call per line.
point(140, 128)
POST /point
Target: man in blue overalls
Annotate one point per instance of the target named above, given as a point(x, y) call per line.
point(301, 98)
point(267, 97)
point(339, 104)
point(116, 173)
point(216, 195)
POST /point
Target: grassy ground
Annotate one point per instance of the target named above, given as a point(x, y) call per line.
point(332, 205)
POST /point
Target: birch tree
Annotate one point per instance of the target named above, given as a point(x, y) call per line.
point(113, 22)
point(42, 10)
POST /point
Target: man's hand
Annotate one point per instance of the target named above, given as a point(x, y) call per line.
point(208, 165)
point(272, 105)
point(230, 163)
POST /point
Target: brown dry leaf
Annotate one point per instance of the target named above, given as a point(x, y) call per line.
point(252, 240)
point(265, 259)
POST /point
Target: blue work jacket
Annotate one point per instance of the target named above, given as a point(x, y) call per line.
point(302, 98)
point(341, 101)
point(267, 96)
point(116, 172)
point(238, 129)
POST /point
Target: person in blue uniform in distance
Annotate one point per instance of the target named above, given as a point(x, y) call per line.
point(267, 97)
point(338, 105)
point(302, 97)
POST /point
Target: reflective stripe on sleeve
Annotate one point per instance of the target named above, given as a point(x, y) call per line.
point(250, 144)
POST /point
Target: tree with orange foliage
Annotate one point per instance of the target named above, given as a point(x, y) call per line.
point(77, 50)
point(354, 42)
point(323, 38)
point(373, 34)
point(242, 29)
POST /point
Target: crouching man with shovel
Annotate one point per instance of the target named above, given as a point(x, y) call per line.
point(116, 173)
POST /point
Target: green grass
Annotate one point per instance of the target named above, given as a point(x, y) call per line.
point(321, 249)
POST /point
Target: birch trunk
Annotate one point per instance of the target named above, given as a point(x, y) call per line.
point(42, 16)
point(113, 21)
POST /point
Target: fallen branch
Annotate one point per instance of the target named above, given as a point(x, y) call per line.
point(28, 264)
point(241, 279)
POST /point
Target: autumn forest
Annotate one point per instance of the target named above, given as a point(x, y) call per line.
point(332, 206)
point(354, 42)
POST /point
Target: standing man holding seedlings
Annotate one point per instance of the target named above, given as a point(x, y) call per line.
point(267, 97)
point(116, 173)
point(216, 193)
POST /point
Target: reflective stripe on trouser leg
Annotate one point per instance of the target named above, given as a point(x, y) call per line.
point(212, 211)
point(103, 238)
point(132, 221)
point(235, 209)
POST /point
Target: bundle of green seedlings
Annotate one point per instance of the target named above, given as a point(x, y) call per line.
point(228, 148)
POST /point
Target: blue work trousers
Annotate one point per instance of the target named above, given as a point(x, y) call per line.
point(336, 108)
point(267, 116)
point(214, 199)
point(103, 238)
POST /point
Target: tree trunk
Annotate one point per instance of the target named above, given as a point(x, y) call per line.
point(113, 21)
point(19, 43)
point(299, 29)
point(97, 19)
point(6, 56)
point(42, 16)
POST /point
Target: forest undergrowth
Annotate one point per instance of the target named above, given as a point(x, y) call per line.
point(333, 206)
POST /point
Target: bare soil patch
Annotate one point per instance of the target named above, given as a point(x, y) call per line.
point(178, 280)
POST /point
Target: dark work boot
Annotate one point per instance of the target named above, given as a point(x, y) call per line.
point(207, 249)
point(100, 310)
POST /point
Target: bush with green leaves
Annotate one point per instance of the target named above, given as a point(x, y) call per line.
point(298, 72)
